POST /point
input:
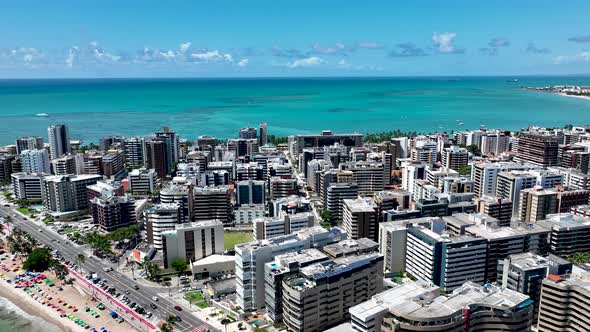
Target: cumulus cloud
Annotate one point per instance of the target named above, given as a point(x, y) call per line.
point(306, 62)
point(444, 43)
point(576, 58)
point(407, 50)
point(212, 57)
point(72, 56)
point(28, 56)
point(184, 47)
point(532, 48)
point(580, 39)
point(100, 55)
point(243, 63)
point(155, 55)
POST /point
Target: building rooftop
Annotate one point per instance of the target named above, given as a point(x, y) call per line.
point(212, 259)
point(163, 207)
point(464, 296)
point(493, 233)
point(565, 221)
point(393, 297)
point(462, 219)
point(359, 205)
point(529, 260)
point(309, 275)
point(348, 247)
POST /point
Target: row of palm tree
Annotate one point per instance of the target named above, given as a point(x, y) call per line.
point(100, 243)
point(21, 244)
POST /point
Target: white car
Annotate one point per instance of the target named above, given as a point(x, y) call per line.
point(155, 298)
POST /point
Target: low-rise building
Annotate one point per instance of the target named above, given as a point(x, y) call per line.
point(570, 233)
point(267, 228)
point(470, 307)
point(192, 241)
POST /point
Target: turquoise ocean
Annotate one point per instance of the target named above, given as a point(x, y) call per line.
point(219, 107)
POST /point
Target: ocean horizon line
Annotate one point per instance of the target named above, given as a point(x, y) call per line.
point(328, 77)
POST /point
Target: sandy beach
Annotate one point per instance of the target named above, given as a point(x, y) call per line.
point(574, 96)
point(76, 299)
point(31, 307)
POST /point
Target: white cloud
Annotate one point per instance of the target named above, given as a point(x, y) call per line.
point(212, 56)
point(580, 57)
point(306, 62)
point(100, 55)
point(443, 42)
point(184, 47)
point(243, 63)
point(72, 56)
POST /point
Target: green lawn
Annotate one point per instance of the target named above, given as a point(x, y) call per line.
point(230, 239)
point(196, 298)
point(24, 211)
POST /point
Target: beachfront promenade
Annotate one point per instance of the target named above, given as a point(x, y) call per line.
point(142, 296)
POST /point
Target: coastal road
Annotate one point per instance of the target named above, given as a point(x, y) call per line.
point(143, 296)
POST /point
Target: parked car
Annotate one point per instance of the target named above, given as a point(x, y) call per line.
point(178, 308)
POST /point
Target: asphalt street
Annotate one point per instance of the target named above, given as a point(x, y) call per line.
point(143, 296)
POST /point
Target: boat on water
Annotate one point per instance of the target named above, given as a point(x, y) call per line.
point(41, 114)
point(514, 80)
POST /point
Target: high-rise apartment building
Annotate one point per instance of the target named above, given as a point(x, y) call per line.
point(29, 143)
point(538, 149)
point(59, 140)
point(251, 258)
point(250, 192)
point(212, 203)
point(65, 193)
point(564, 303)
point(496, 207)
point(159, 219)
point(263, 137)
point(134, 152)
point(455, 157)
point(525, 272)
point(35, 161)
point(359, 219)
point(156, 156)
point(142, 181)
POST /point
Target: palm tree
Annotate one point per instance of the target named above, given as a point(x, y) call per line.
point(169, 324)
point(81, 260)
point(224, 322)
point(58, 268)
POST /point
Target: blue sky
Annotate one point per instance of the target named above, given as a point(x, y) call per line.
point(292, 38)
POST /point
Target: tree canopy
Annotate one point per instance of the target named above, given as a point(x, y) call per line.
point(179, 265)
point(39, 260)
